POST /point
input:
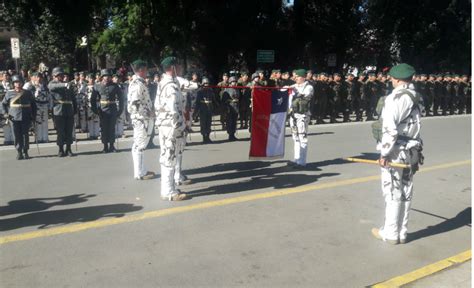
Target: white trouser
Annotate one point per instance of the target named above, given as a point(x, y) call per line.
point(299, 129)
point(397, 189)
point(8, 132)
point(42, 123)
point(178, 175)
point(141, 136)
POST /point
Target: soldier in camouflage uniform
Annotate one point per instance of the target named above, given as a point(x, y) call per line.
point(142, 116)
point(20, 105)
point(439, 91)
point(43, 102)
point(299, 118)
point(244, 103)
point(372, 90)
point(430, 95)
point(353, 96)
point(400, 143)
point(422, 88)
point(340, 102)
point(449, 99)
point(171, 126)
point(467, 93)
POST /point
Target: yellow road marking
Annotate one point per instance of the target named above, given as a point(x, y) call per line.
point(216, 203)
point(425, 271)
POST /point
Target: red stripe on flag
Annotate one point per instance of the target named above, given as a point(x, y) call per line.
point(262, 108)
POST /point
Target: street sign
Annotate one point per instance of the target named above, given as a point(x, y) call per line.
point(332, 59)
point(15, 47)
point(265, 56)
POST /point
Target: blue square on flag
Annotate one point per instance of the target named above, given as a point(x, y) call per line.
point(279, 101)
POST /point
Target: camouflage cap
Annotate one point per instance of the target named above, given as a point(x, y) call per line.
point(300, 72)
point(168, 62)
point(402, 71)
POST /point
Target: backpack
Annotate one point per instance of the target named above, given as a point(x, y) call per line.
point(377, 125)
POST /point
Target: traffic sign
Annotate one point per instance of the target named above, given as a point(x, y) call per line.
point(265, 56)
point(332, 59)
point(15, 47)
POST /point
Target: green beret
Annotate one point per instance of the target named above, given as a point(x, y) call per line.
point(276, 71)
point(300, 72)
point(455, 75)
point(34, 73)
point(168, 62)
point(91, 75)
point(402, 71)
point(137, 64)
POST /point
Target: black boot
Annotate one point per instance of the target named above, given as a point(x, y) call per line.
point(19, 156)
point(106, 149)
point(61, 151)
point(69, 151)
point(232, 137)
point(25, 153)
point(112, 148)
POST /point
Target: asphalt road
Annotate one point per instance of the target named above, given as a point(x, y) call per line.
point(84, 222)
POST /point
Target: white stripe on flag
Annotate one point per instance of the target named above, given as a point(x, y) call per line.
point(276, 135)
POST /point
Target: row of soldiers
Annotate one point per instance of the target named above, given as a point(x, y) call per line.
point(333, 95)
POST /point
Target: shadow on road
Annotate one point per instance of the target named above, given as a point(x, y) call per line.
point(67, 216)
point(463, 218)
point(40, 204)
point(262, 182)
point(256, 175)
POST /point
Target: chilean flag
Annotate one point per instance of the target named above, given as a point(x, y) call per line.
point(268, 123)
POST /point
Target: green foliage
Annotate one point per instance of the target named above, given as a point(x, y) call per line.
point(221, 35)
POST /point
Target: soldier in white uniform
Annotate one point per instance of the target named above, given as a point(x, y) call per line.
point(400, 143)
point(142, 116)
point(43, 104)
point(93, 120)
point(300, 114)
point(169, 107)
point(186, 87)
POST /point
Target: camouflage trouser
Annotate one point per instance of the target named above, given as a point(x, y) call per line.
point(170, 146)
point(397, 183)
point(397, 189)
point(141, 135)
point(299, 130)
point(42, 123)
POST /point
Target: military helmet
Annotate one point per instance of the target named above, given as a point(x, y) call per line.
point(205, 81)
point(105, 72)
point(17, 78)
point(58, 71)
point(232, 79)
point(255, 75)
